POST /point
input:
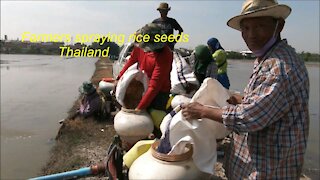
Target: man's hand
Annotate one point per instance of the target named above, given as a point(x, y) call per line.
point(192, 110)
point(235, 99)
point(195, 110)
point(138, 111)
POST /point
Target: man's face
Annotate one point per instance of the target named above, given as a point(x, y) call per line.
point(163, 13)
point(257, 31)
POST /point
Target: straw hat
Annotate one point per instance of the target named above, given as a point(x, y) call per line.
point(259, 8)
point(164, 6)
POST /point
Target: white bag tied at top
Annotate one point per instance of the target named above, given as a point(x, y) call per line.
point(131, 73)
point(202, 133)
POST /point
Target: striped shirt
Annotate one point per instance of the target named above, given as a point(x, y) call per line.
point(271, 125)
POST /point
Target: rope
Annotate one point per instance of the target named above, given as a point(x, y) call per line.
point(130, 110)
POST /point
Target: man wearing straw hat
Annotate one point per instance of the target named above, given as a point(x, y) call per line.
point(271, 120)
point(167, 24)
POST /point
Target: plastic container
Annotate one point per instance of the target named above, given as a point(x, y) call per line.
point(132, 126)
point(155, 165)
point(136, 151)
point(106, 87)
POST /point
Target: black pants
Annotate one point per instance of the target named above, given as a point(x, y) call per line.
point(160, 102)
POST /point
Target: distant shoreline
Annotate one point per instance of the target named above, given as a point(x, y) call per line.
point(313, 64)
point(308, 63)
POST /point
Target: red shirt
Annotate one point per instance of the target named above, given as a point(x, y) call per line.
point(157, 66)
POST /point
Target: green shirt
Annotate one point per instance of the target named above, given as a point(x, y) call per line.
point(220, 57)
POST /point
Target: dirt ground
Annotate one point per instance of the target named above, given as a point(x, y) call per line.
point(84, 142)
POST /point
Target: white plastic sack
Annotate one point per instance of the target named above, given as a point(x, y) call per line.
point(181, 73)
point(202, 133)
point(124, 81)
point(178, 100)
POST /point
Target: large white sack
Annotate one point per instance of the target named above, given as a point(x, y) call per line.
point(202, 133)
point(181, 74)
point(178, 100)
point(124, 81)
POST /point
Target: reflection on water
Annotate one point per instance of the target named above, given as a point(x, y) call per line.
point(36, 92)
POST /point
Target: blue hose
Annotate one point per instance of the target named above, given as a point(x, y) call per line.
point(69, 174)
point(93, 170)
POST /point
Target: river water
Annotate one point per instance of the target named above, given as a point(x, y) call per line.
point(37, 91)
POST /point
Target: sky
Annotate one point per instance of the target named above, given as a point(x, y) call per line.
point(199, 19)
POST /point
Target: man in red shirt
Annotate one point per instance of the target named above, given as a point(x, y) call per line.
point(155, 59)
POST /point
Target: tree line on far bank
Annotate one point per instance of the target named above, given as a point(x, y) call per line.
point(18, 47)
point(306, 56)
point(115, 50)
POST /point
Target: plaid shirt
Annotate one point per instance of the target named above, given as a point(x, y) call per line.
point(271, 125)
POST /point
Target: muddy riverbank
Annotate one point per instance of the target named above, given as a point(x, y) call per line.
point(82, 142)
